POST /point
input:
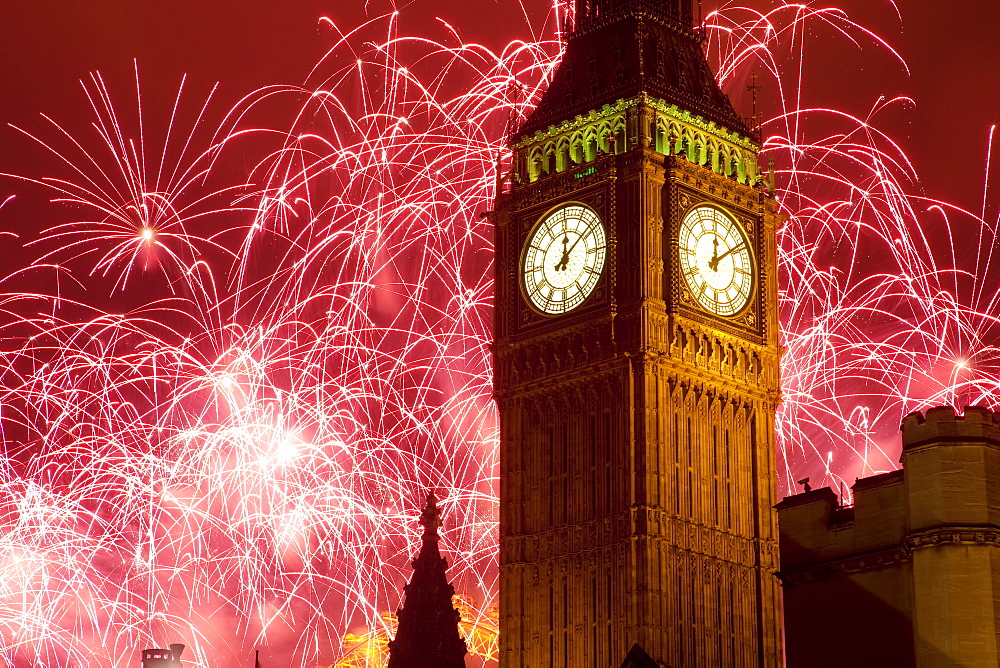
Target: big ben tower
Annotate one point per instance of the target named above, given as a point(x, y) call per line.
point(636, 360)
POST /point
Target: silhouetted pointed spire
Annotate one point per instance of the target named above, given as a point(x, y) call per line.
point(427, 636)
point(637, 658)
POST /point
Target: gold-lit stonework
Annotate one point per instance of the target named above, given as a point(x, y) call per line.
point(909, 572)
point(637, 460)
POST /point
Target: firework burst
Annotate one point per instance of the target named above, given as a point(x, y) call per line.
point(236, 458)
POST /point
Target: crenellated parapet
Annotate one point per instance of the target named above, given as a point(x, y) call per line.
point(821, 538)
point(943, 425)
point(953, 470)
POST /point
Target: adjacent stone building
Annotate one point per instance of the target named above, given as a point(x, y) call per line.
point(910, 575)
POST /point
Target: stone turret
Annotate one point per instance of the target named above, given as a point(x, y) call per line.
point(952, 466)
point(910, 575)
point(427, 636)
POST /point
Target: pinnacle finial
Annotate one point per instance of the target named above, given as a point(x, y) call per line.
point(430, 516)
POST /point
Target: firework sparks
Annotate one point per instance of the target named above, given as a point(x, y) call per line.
point(234, 460)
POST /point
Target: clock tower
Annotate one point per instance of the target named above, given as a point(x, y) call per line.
point(636, 360)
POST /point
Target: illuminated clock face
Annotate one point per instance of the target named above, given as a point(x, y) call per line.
point(563, 259)
point(716, 260)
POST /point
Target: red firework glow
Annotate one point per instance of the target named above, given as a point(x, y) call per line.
point(243, 351)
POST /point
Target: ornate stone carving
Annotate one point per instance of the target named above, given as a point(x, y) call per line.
point(627, 393)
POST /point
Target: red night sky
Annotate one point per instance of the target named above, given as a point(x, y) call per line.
point(951, 49)
point(48, 46)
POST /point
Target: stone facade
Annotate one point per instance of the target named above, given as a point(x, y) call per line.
point(637, 478)
point(910, 575)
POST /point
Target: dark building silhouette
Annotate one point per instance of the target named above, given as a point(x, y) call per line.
point(910, 574)
point(163, 658)
point(427, 635)
point(636, 361)
point(620, 48)
point(637, 658)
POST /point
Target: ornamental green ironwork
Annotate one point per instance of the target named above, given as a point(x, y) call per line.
point(616, 128)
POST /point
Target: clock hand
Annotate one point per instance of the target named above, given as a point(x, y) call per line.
point(578, 240)
point(564, 260)
point(714, 264)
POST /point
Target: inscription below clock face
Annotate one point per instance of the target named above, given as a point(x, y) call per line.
point(563, 259)
point(716, 260)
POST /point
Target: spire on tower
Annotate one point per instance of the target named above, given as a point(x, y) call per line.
point(623, 49)
point(593, 12)
point(427, 635)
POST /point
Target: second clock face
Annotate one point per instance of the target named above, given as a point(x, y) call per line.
point(563, 259)
point(716, 260)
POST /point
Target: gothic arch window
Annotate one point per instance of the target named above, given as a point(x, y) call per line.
point(620, 138)
point(677, 132)
point(713, 151)
point(682, 75)
point(548, 159)
point(604, 137)
point(534, 164)
point(662, 138)
point(562, 155)
point(590, 145)
point(576, 148)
